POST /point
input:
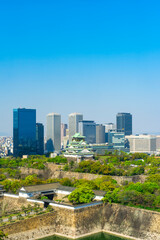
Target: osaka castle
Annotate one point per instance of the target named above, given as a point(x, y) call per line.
point(78, 148)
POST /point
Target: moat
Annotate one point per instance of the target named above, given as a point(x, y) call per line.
point(98, 236)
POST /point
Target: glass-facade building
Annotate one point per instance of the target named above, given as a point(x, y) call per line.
point(88, 129)
point(116, 140)
point(124, 123)
point(24, 131)
point(40, 138)
point(108, 127)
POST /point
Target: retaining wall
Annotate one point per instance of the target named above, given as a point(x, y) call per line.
point(54, 171)
point(74, 222)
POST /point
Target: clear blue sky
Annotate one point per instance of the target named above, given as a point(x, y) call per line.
point(89, 56)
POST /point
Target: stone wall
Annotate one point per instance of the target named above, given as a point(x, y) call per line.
point(135, 222)
point(55, 171)
point(16, 204)
point(61, 221)
point(121, 220)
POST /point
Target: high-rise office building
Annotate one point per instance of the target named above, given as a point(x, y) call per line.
point(116, 140)
point(74, 119)
point(24, 131)
point(88, 129)
point(124, 123)
point(108, 127)
point(142, 143)
point(100, 133)
point(40, 138)
point(53, 142)
point(158, 143)
point(63, 130)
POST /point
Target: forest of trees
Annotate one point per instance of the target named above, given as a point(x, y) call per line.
point(146, 195)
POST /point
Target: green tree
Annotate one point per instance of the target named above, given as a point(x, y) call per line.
point(157, 201)
point(112, 196)
point(85, 183)
point(44, 197)
point(130, 197)
point(2, 235)
point(2, 177)
point(66, 182)
point(154, 178)
point(81, 195)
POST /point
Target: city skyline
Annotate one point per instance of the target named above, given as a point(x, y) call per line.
point(94, 57)
point(67, 122)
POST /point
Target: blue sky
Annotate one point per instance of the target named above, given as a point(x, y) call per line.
point(88, 56)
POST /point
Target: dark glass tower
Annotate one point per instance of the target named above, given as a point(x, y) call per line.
point(24, 131)
point(40, 138)
point(88, 129)
point(124, 123)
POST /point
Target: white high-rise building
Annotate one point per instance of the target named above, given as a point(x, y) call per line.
point(142, 143)
point(53, 132)
point(74, 119)
point(109, 126)
point(158, 143)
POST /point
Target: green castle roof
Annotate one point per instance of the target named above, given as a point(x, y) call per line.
point(77, 135)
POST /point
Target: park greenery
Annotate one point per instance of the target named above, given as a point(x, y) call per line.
point(118, 164)
point(10, 167)
point(113, 164)
point(81, 195)
point(146, 195)
point(2, 235)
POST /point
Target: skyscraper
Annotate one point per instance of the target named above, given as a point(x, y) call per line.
point(74, 119)
point(40, 138)
point(124, 123)
point(117, 140)
point(100, 133)
point(63, 130)
point(88, 129)
point(53, 132)
point(108, 127)
point(24, 131)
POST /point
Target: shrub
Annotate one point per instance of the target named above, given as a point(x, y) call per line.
point(81, 195)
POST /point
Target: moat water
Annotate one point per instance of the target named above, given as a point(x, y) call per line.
point(98, 236)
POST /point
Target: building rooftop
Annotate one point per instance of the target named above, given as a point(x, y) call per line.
point(54, 186)
point(77, 135)
point(75, 114)
point(52, 114)
point(40, 187)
